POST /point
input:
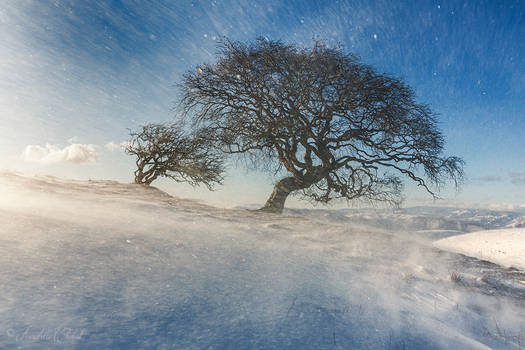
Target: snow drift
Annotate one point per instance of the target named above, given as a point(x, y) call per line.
point(104, 265)
point(505, 247)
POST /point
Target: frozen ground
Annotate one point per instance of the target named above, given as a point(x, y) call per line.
point(103, 265)
point(505, 247)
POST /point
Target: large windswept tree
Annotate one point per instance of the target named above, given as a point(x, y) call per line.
point(337, 127)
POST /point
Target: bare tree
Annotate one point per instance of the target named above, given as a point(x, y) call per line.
point(165, 150)
point(336, 127)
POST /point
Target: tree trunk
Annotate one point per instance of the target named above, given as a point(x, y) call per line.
point(281, 190)
point(139, 177)
point(144, 178)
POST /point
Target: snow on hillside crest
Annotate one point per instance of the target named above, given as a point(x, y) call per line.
point(105, 265)
point(505, 247)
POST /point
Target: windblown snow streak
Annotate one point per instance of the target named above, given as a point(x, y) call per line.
point(104, 265)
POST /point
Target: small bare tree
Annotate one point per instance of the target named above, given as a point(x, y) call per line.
point(165, 150)
point(335, 126)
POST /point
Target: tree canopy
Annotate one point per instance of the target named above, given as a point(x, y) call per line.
point(166, 150)
point(335, 126)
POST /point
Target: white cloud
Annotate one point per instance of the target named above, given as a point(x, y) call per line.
point(113, 146)
point(50, 154)
point(72, 140)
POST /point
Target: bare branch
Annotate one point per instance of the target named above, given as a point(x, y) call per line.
point(165, 150)
point(334, 124)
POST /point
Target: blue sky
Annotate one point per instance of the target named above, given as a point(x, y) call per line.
point(82, 72)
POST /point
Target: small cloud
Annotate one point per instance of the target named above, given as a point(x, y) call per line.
point(489, 178)
point(72, 140)
point(125, 144)
point(52, 154)
point(113, 146)
point(517, 178)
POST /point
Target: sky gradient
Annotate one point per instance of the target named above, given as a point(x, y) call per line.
point(75, 75)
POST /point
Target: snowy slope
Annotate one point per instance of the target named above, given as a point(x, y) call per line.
point(103, 265)
point(517, 222)
point(505, 247)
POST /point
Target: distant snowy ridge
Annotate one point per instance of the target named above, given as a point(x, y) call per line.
point(417, 218)
point(517, 222)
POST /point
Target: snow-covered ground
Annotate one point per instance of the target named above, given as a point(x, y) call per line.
point(505, 247)
point(104, 265)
